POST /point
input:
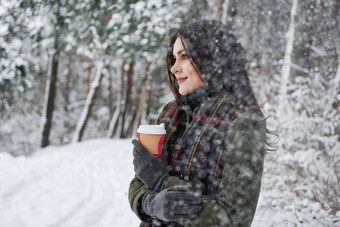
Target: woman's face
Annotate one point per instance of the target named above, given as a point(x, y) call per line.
point(186, 75)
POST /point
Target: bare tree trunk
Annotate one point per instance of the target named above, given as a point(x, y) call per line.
point(336, 88)
point(225, 11)
point(128, 100)
point(222, 10)
point(143, 98)
point(50, 96)
point(219, 12)
point(65, 93)
point(81, 125)
point(88, 76)
point(337, 27)
point(67, 85)
point(110, 99)
point(286, 67)
point(116, 123)
point(115, 116)
point(231, 13)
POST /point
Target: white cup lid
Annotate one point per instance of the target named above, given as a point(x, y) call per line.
point(152, 129)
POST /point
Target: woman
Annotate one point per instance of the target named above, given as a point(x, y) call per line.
point(211, 168)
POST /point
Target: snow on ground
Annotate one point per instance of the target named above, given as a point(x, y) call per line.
point(86, 184)
point(83, 184)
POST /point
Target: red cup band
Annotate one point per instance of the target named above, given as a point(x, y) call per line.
point(160, 147)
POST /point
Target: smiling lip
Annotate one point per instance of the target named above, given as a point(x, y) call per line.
point(181, 79)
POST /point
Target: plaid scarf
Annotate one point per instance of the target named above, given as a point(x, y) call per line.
point(199, 158)
point(199, 152)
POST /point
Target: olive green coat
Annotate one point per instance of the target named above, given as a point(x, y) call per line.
point(240, 185)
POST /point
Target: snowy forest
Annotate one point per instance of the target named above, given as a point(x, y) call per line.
point(77, 70)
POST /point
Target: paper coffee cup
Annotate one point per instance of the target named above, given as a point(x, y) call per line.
point(152, 138)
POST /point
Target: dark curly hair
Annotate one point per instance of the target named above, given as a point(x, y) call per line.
point(219, 57)
point(221, 61)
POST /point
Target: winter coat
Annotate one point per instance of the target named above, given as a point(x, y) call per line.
point(230, 196)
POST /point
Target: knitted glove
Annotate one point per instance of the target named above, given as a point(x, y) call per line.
point(150, 170)
point(172, 204)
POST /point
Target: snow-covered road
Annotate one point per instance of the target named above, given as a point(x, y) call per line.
point(83, 184)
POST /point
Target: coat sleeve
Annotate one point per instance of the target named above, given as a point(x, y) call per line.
point(137, 188)
point(240, 185)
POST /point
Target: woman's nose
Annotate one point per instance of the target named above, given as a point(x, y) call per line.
point(175, 69)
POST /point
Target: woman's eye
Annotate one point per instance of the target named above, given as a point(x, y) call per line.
point(185, 56)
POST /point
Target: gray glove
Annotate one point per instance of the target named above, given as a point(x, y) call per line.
point(150, 170)
point(172, 204)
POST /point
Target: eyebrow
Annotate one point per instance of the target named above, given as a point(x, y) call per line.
point(181, 51)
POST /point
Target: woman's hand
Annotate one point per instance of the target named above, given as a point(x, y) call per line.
point(149, 169)
point(172, 204)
